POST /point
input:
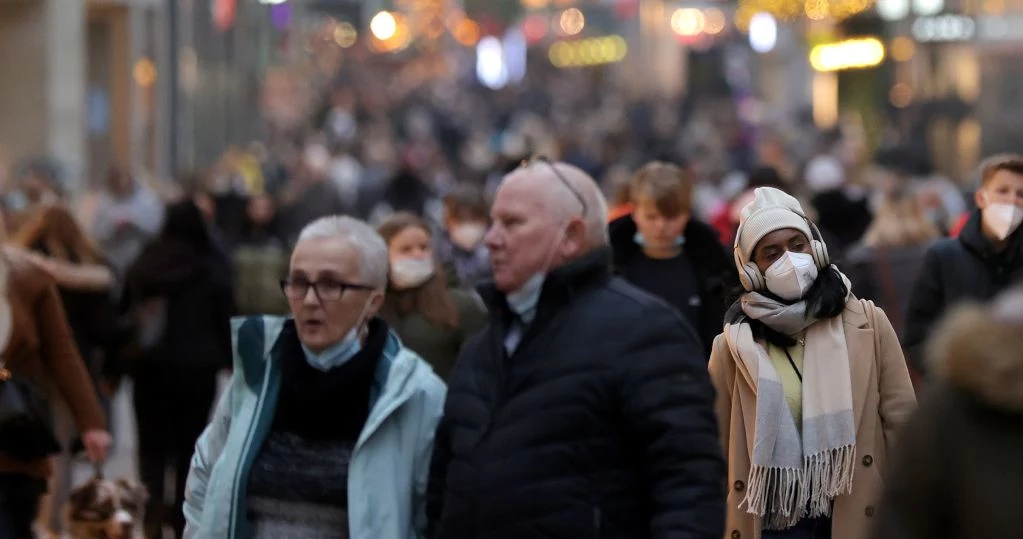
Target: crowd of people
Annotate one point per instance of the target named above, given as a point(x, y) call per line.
point(435, 337)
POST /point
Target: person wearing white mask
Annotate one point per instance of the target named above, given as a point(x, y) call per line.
point(811, 385)
point(584, 408)
point(984, 260)
point(432, 320)
point(460, 250)
point(326, 428)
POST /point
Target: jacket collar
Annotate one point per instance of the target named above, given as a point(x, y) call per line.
point(700, 238)
point(972, 237)
point(561, 286)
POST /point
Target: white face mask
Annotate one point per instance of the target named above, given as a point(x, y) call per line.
point(1002, 219)
point(791, 275)
point(468, 235)
point(411, 272)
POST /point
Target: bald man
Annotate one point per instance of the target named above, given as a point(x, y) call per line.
point(584, 408)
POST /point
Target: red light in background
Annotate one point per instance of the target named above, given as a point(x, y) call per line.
point(535, 28)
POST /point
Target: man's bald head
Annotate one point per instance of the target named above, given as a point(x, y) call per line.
point(582, 196)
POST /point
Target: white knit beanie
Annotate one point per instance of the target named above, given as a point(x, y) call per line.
point(771, 209)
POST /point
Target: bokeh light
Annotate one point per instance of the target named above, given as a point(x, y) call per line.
point(383, 25)
point(572, 21)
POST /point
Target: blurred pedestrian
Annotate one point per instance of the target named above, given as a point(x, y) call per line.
point(39, 352)
point(261, 260)
point(984, 260)
point(182, 299)
point(811, 385)
point(432, 319)
point(460, 250)
point(956, 471)
point(327, 425)
point(584, 408)
point(128, 215)
point(661, 248)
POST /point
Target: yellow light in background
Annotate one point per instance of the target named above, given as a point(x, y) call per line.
point(901, 95)
point(572, 21)
point(849, 54)
point(824, 96)
point(588, 52)
point(345, 35)
point(144, 73)
point(467, 32)
point(383, 25)
point(535, 4)
point(688, 22)
point(817, 10)
point(400, 36)
point(714, 21)
point(902, 49)
point(994, 7)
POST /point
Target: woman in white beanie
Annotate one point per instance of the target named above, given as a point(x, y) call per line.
point(811, 385)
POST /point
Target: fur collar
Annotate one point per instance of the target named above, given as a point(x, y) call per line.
point(982, 356)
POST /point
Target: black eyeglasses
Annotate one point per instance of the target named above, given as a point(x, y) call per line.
point(543, 159)
point(325, 289)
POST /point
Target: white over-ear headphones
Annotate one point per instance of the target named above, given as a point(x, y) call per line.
point(752, 278)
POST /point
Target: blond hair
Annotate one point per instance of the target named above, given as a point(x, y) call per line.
point(669, 187)
point(900, 222)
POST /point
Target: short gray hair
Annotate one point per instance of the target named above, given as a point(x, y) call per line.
point(371, 248)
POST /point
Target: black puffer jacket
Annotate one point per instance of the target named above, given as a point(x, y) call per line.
point(963, 268)
point(600, 424)
point(716, 276)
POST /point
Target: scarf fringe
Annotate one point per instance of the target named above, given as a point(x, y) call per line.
point(784, 496)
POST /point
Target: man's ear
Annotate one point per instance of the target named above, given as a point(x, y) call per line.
point(575, 238)
point(376, 303)
point(980, 198)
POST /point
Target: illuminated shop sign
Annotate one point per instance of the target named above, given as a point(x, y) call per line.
point(849, 54)
point(944, 28)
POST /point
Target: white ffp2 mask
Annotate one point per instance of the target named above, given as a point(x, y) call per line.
point(1002, 219)
point(791, 275)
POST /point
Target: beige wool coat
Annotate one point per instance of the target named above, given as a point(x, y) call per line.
point(883, 399)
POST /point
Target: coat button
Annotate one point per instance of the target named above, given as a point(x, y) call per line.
point(870, 511)
point(739, 486)
point(868, 460)
point(736, 534)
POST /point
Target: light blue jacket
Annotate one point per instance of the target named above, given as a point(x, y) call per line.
point(389, 466)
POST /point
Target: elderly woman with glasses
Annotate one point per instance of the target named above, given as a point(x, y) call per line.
point(327, 427)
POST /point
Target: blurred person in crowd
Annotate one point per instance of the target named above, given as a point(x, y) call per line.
point(36, 183)
point(953, 473)
point(583, 409)
point(432, 320)
point(985, 259)
point(617, 184)
point(811, 385)
point(309, 195)
point(182, 300)
point(272, 463)
point(405, 191)
point(459, 249)
point(841, 210)
point(726, 219)
point(260, 260)
point(128, 215)
point(56, 244)
point(663, 250)
point(39, 349)
point(885, 264)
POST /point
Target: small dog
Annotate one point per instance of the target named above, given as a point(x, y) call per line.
point(104, 509)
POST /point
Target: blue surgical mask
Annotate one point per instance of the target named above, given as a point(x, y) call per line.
point(524, 300)
point(340, 353)
point(641, 241)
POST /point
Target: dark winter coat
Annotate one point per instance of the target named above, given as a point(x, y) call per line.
point(599, 424)
point(717, 279)
point(956, 471)
point(957, 269)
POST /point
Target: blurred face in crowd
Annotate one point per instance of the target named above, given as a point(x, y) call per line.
point(412, 243)
point(531, 233)
point(776, 244)
point(660, 232)
point(334, 300)
point(1004, 187)
point(38, 189)
point(261, 209)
